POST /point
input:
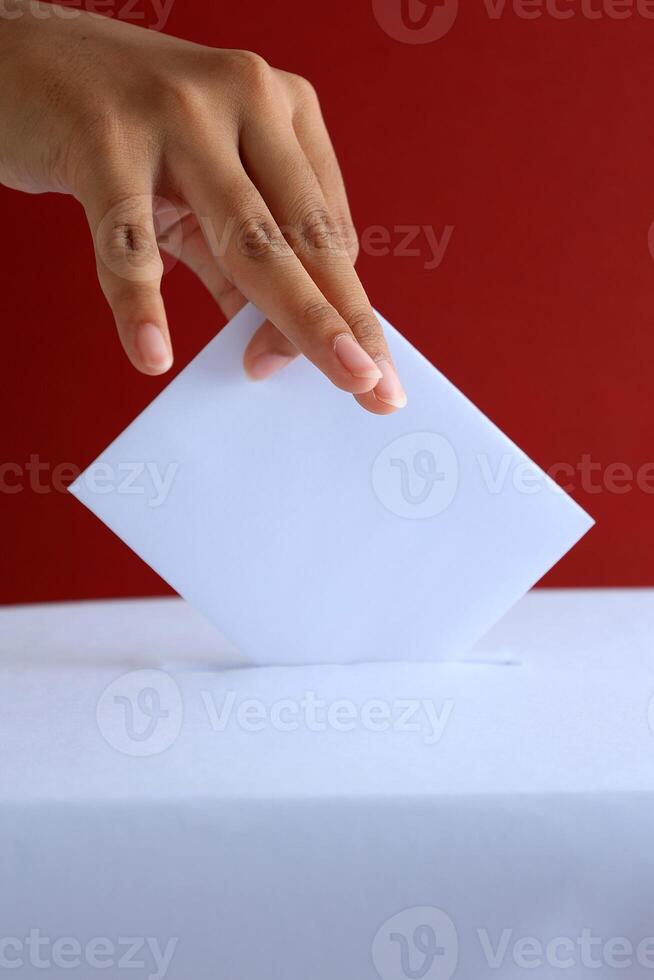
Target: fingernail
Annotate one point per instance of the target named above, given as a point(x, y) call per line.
point(354, 359)
point(389, 390)
point(152, 348)
point(265, 365)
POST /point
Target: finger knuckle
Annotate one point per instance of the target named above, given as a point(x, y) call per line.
point(252, 71)
point(181, 99)
point(318, 317)
point(368, 332)
point(127, 246)
point(257, 237)
point(318, 231)
point(305, 91)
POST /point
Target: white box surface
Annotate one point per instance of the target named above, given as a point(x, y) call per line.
point(272, 845)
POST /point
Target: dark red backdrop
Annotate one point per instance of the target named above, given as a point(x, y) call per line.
point(533, 138)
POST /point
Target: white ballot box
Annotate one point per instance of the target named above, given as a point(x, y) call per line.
point(168, 812)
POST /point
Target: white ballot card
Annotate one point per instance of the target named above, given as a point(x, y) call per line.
point(308, 530)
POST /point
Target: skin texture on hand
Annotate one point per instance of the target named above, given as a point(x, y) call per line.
point(208, 154)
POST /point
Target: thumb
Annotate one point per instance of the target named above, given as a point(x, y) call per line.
point(268, 351)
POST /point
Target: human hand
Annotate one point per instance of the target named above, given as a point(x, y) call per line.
point(207, 153)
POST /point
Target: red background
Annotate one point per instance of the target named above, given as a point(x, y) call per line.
point(533, 138)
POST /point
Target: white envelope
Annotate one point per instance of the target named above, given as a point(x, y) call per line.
point(308, 530)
